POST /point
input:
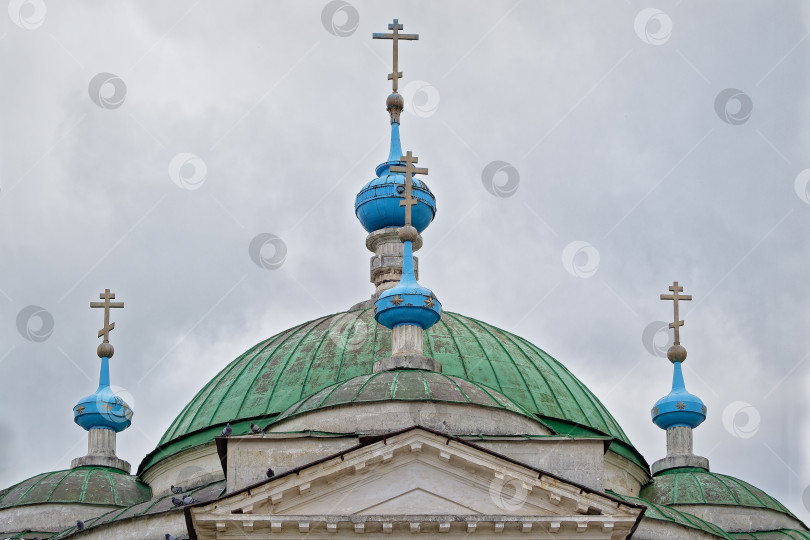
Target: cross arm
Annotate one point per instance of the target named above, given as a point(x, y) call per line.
point(377, 35)
point(104, 304)
point(414, 170)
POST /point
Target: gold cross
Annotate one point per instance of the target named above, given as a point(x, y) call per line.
point(395, 36)
point(106, 304)
point(675, 297)
point(409, 171)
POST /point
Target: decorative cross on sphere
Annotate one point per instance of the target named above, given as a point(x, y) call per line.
point(675, 297)
point(395, 36)
point(409, 171)
point(106, 304)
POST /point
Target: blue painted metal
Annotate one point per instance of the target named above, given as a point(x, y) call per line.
point(103, 409)
point(377, 204)
point(679, 407)
point(408, 302)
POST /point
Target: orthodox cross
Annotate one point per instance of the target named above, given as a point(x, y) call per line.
point(106, 304)
point(675, 297)
point(395, 36)
point(409, 171)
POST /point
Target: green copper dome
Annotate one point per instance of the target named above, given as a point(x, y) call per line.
point(780, 534)
point(663, 513)
point(689, 485)
point(299, 362)
point(404, 386)
point(82, 485)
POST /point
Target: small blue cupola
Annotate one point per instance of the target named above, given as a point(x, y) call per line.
point(679, 407)
point(103, 409)
point(377, 206)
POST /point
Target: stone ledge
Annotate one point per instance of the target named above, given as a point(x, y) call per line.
point(679, 460)
point(407, 361)
point(101, 461)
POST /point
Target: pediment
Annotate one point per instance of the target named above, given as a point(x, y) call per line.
point(417, 479)
point(416, 502)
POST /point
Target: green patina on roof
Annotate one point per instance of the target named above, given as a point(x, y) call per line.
point(664, 513)
point(404, 385)
point(158, 505)
point(688, 485)
point(781, 534)
point(27, 534)
point(82, 485)
point(301, 361)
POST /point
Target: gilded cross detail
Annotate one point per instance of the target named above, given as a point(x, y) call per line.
point(409, 171)
point(675, 297)
point(106, 304)
point(395, 36)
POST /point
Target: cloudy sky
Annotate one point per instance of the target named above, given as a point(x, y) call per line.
point(144, 145)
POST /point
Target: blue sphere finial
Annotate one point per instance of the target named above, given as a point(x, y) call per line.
point(103, 409)
point(408, 302)
point(679, 407)
point(377, 205)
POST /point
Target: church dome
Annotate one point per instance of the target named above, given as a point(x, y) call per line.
point(83, 485)
point(404, 385)
point(661, 513)
point(377, 205)
point(281, 371)
point(696, 486)
point(103, 410)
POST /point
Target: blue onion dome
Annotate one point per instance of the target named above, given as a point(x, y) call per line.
point(408, 302)
point(103, 409)
point(679, 407)
point(377, 205)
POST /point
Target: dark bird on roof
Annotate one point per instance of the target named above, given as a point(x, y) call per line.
point(188, 500)
point(80, 525)
point(177, 502)
point(256, 429)
point(177, 490)
point(227, 430)
point(270, 473)
point(170, 537)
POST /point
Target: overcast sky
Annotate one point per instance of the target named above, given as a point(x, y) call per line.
point(144, 145)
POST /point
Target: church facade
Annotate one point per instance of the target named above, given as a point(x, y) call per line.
point(392, 419)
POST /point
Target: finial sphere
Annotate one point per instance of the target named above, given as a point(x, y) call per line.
point(395, 100)
point(394, 105)
point(105, 349)
point(676, 353)
point(408, 233)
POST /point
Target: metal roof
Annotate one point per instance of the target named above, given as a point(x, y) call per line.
point(781, 534)
point(299, 362)
point(664, 513)
point(405, 385)
point(158, 505)
point(688, 485)
point(82, 485)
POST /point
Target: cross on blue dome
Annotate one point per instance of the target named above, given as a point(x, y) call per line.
point(377, 206)
point(103, 408)
point(397, 199)
point(408, 302)
point(679, 407)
